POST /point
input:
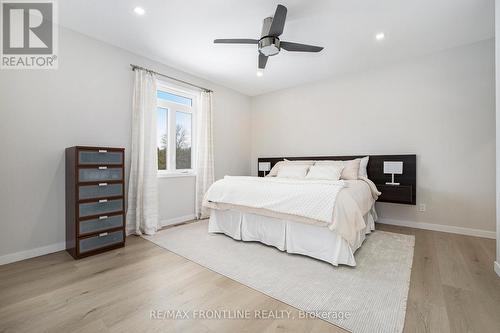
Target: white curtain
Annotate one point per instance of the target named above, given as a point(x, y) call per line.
point(142, 213)
point(204, 152)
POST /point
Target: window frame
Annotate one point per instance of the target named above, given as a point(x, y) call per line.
point(172, 109)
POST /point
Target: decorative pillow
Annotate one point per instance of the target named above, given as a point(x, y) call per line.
point(326, 172)
point(274, 170)
point(363, 173)
point(351, 168)
point(297, 171)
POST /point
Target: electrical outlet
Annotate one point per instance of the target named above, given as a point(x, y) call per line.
point(422, 208)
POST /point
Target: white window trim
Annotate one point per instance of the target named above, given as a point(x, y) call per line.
point(172, 108)
point(175, 174)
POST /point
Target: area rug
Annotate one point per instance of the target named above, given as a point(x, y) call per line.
point(370, 297)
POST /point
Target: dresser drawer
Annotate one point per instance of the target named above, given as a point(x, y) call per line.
point(97, 157)
point(100, 174)
point(100, 241)
point(100, 224)
point(396, 194)
point(100, 208)
point(100, 191)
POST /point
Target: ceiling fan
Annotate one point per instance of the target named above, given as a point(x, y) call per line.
point(269, 43)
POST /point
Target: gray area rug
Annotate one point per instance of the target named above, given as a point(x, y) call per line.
point(370, 297)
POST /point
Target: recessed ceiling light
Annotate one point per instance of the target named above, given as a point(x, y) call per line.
point(139, 11)
point(260, 72)
point(380, 36)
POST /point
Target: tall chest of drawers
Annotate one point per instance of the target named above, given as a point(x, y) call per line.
point(95, 200)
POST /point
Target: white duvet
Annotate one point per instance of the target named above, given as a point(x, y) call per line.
point(339, 205)
point(312, 199)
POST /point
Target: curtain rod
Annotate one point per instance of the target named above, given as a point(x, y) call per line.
point(169, 77)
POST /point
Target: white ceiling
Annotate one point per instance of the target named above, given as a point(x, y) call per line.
point(180, 33)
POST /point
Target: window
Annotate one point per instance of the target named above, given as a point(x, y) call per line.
point(162, 139)
point(175, 121)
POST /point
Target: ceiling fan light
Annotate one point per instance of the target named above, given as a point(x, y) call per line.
point(260, 72)
point(269, 46)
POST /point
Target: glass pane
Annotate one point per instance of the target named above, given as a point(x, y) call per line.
point(98, 208)
point(174, 98)
point(94, 174)
point(183, 140)
point(94, 243)
point(95, 225)
point(96, 191)
point(95, 157)
point(162, 137)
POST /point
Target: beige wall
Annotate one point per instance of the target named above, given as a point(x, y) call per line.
point(441, 107)
point(87, 101)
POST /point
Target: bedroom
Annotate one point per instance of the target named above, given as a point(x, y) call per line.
point(163, 114)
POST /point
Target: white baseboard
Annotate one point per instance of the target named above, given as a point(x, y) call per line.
point(176, 220)
point(164, 223)
point(441, 227)
point(32, 253)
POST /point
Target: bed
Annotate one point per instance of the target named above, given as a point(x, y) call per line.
point(324, 219)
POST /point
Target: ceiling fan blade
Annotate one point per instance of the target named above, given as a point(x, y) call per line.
point(236, 41)
point(262, 61)
point(278, 23)
point(289, 46)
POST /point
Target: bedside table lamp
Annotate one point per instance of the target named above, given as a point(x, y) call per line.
point(393, 168)
point(265, 167)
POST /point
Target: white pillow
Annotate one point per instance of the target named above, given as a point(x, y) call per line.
point(363, 173)
point(351, 167)
point(297, 171)
point(327, 172)
point(274, 171)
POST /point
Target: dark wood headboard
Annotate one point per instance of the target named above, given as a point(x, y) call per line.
point(406, 193)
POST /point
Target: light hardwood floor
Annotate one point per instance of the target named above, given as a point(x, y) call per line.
point(453, 289)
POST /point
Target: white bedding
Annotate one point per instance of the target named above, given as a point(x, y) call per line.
point(339, 205)
point(312, 199)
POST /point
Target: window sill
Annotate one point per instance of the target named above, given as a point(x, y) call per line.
point(175, 174)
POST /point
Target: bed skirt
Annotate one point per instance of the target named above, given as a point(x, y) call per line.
point(314, 241)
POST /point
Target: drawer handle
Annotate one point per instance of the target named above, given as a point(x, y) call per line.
point(103, 168)
point(103, 217)
point(103, 184)
point(103, 151)
point(103, 200)
point(103, 234)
